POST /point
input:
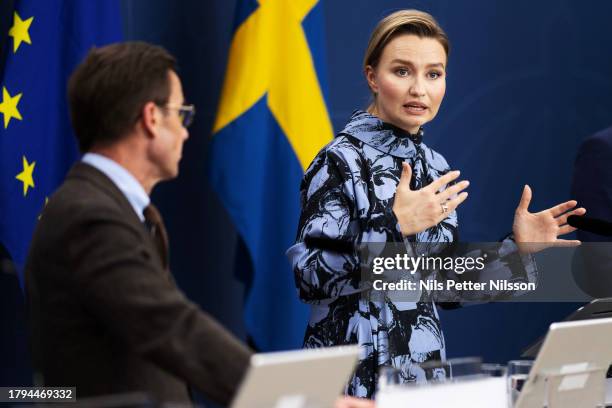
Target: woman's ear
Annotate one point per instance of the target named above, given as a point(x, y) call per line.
point(370, 74)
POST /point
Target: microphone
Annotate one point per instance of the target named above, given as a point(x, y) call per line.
point(593, 225)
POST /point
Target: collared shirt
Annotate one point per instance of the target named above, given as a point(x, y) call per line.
point(123, 179)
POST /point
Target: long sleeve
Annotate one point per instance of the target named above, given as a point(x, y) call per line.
point(501, 261)
point(325, 258)
point(592, 188)
point(592, 180)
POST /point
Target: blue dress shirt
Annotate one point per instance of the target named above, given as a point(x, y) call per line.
point(123, 179)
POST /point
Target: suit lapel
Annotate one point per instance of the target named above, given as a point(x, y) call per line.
point(87, 172)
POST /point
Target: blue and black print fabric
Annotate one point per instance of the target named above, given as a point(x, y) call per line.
point(347, 198)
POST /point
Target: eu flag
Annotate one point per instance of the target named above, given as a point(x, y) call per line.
point(45, 42)
point(271, 122)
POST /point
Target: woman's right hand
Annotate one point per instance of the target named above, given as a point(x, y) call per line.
point(417, 210)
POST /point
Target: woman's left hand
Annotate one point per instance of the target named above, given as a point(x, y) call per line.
point(534, 232)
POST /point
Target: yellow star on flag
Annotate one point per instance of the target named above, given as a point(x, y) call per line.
point(19, 31)
point(26, 175)
point(8, 107)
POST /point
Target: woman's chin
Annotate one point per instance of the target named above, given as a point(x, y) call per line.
point(412, 126)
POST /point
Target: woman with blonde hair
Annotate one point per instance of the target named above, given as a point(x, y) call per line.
point(377, 181)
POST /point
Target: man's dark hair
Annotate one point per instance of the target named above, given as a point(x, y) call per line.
point(108, 90)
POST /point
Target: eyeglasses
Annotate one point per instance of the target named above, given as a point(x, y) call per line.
point(186, 113)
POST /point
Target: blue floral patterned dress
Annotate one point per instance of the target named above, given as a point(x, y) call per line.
point(347, 197)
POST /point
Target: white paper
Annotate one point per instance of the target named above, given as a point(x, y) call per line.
point(291, 401)
point(487, 392)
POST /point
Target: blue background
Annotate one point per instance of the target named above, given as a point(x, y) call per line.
point(527, 81)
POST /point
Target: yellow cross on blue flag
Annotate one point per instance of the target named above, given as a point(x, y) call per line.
point(271, 122)
point(45, 42)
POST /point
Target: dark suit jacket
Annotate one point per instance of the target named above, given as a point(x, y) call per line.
point(106, 316)
point(592, 188)
point(592, 183)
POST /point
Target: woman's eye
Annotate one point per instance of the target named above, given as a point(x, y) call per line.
point(434, 75)
point(402, 72)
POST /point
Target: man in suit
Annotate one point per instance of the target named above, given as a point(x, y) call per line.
point(592, 186)
point(106, 314)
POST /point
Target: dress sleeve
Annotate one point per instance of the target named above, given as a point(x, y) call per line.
point(325, 258)
point(500, 261)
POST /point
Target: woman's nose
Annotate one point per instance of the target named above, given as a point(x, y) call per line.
point(416, 88)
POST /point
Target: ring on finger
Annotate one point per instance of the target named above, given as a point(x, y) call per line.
point(444, 208)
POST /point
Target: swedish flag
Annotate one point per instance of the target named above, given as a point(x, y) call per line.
point(271, 122)
point(46, 41)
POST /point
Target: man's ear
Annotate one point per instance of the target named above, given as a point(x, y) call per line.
point(150, 118)
point(370, 74)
